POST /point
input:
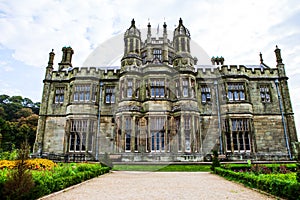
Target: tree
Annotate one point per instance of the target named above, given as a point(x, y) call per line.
point(18, 121)
point(24, 112)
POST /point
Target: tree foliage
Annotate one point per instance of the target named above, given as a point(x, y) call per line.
point(18, 121)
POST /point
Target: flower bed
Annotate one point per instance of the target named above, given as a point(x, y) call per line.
point(50, 179)
point(281, 185)
point(35, 164)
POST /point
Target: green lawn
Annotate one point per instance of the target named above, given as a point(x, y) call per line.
point(163, 168)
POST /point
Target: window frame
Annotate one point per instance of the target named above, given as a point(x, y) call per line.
point(264, 91)
point(205, 94)
point(236, 92)
point(110, 94)
point(157, 88)
point(59, 95)
point(237, 135)
point(82, 135)
point(82, 93)
point(157, 134)
point(185, 87)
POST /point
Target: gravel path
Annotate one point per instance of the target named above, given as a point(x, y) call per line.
point(157, 185)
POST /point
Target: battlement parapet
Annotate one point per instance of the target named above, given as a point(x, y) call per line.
point(245, 70)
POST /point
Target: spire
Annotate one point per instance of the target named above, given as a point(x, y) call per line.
point(278, 55)
point(165, 28)
point(180, 21)
point(261, 59)
point(149, 28)
point(49, 68)
point(132, 22)
point(181, 29)
point(51, 58)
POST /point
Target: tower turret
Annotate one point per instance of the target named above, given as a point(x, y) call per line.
point(165, 44)
point(49, 68)
point(148, 42)
point(280, 65)
point(181, 42)
point(66, 60)
point(132, 49)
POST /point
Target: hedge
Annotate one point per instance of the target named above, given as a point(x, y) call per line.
point(270, 184)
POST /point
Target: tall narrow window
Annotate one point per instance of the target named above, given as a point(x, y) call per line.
point(91, 136)
point(236, 92)
point(94, 93)
point(178, 132)
point(127, 133)
point(110, 94)
point(59, 95)
point(205, 94)
point(265, 94)
point(187, 133)
point(137, 135)
point(177, 44)
point(177, 88)
point(129, 87)
point(78, 135)
point(185, 87)
point(122, 89)
point(137, 88)
point(144, 57)
point(131, 45)
point(157, 55)
point(192, 88)
point(183, 44)
point(157, 130)
point(225, 130)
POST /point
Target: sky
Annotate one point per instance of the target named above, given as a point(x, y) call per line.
point(237, 30)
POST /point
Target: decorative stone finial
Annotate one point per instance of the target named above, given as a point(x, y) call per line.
point(51, 58)
point(278, 55)
point(261, 59)
point(180, 21)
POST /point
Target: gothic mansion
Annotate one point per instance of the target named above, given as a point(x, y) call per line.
point(161, 105)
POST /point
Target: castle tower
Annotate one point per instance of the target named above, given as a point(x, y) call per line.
point(165, 45)
point(285, 96)
point(181, 40)
point(49, 68)
point(39, 142)
point(132, 48)
point(66, 61)
point(148, 42)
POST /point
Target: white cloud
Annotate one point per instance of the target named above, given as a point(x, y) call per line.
point(5, 66)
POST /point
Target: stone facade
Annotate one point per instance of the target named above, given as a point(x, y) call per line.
point(160, 105)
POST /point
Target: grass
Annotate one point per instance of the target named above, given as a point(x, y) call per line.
point(163, 168)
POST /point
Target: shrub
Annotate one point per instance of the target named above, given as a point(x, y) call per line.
point(63, 176)
point(13, 155)
point(19, 181)
point(298, 173)
point(215, 160)
point(282, 185)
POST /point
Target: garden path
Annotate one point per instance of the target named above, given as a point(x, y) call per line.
point(157, 185)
